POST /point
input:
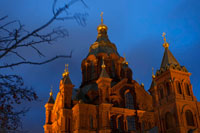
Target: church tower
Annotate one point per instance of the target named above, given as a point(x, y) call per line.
point(175, 106)
point(49, 108)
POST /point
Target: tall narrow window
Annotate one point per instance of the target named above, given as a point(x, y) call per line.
point(189, 118)
point(178, 85)
point(168, 88)
point(112, 122)
point(131, 123)
point(129, 102)
point(49, 118)
point(169, 120)
point(69, 125)
point(161, 93)
point(187, 89)
point(119, 123)
point(91, 122)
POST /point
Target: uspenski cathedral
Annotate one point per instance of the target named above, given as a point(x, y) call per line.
point(110, 101)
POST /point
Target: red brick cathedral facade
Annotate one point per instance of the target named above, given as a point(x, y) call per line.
point(110, 101)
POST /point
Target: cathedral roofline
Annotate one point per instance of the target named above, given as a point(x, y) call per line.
point(168, 60)
point(168, 57)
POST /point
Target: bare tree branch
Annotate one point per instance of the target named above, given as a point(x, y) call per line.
point(2, 18)
point(80, 18)
point(13, 92)
point(36, 63)
point(12, 88)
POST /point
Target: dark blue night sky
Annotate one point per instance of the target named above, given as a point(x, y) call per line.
point(135, 26)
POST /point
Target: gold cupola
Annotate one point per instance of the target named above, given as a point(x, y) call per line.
point(102, 43)
point(102, 27)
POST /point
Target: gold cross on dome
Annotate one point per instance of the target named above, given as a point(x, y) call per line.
point(164, 35)
point(66, 72)
point(165, 45)
point(153, 73)
point(66, 67)
point(51, 93)
point(101, 17)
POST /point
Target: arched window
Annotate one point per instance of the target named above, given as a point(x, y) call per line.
point(168, 88)
point(129, 102)
point(112, 122)
point(178, 85)
point(189, 118)
point(169, 120)
point(131, 123)
point(187, 89)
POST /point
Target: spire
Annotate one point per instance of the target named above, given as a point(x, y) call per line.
point(165, 44)
point(51, 93)
point(168, 57)
point(102, 26)
point(66, 71)
point(66, 79)
point(101, 17)
point(125, 62)
point(153, 76)
point(103, 74)
point(51, 100)
point(102, 31)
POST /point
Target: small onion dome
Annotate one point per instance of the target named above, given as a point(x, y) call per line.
point(102, 26)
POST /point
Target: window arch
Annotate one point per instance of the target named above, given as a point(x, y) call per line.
point(169, 120)
point(178, 85)
point(189, 118)
point(187, 89)
point(129, 102)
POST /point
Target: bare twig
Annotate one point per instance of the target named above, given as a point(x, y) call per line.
point(12, 89)
point(80, 18)
point(35, 63)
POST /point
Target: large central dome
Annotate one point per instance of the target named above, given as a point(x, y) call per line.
point(102, 49)
point(102, 44)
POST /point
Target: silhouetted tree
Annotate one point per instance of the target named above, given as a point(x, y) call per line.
point(12, 88)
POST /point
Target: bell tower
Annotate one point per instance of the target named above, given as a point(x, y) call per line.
point(174, 104)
